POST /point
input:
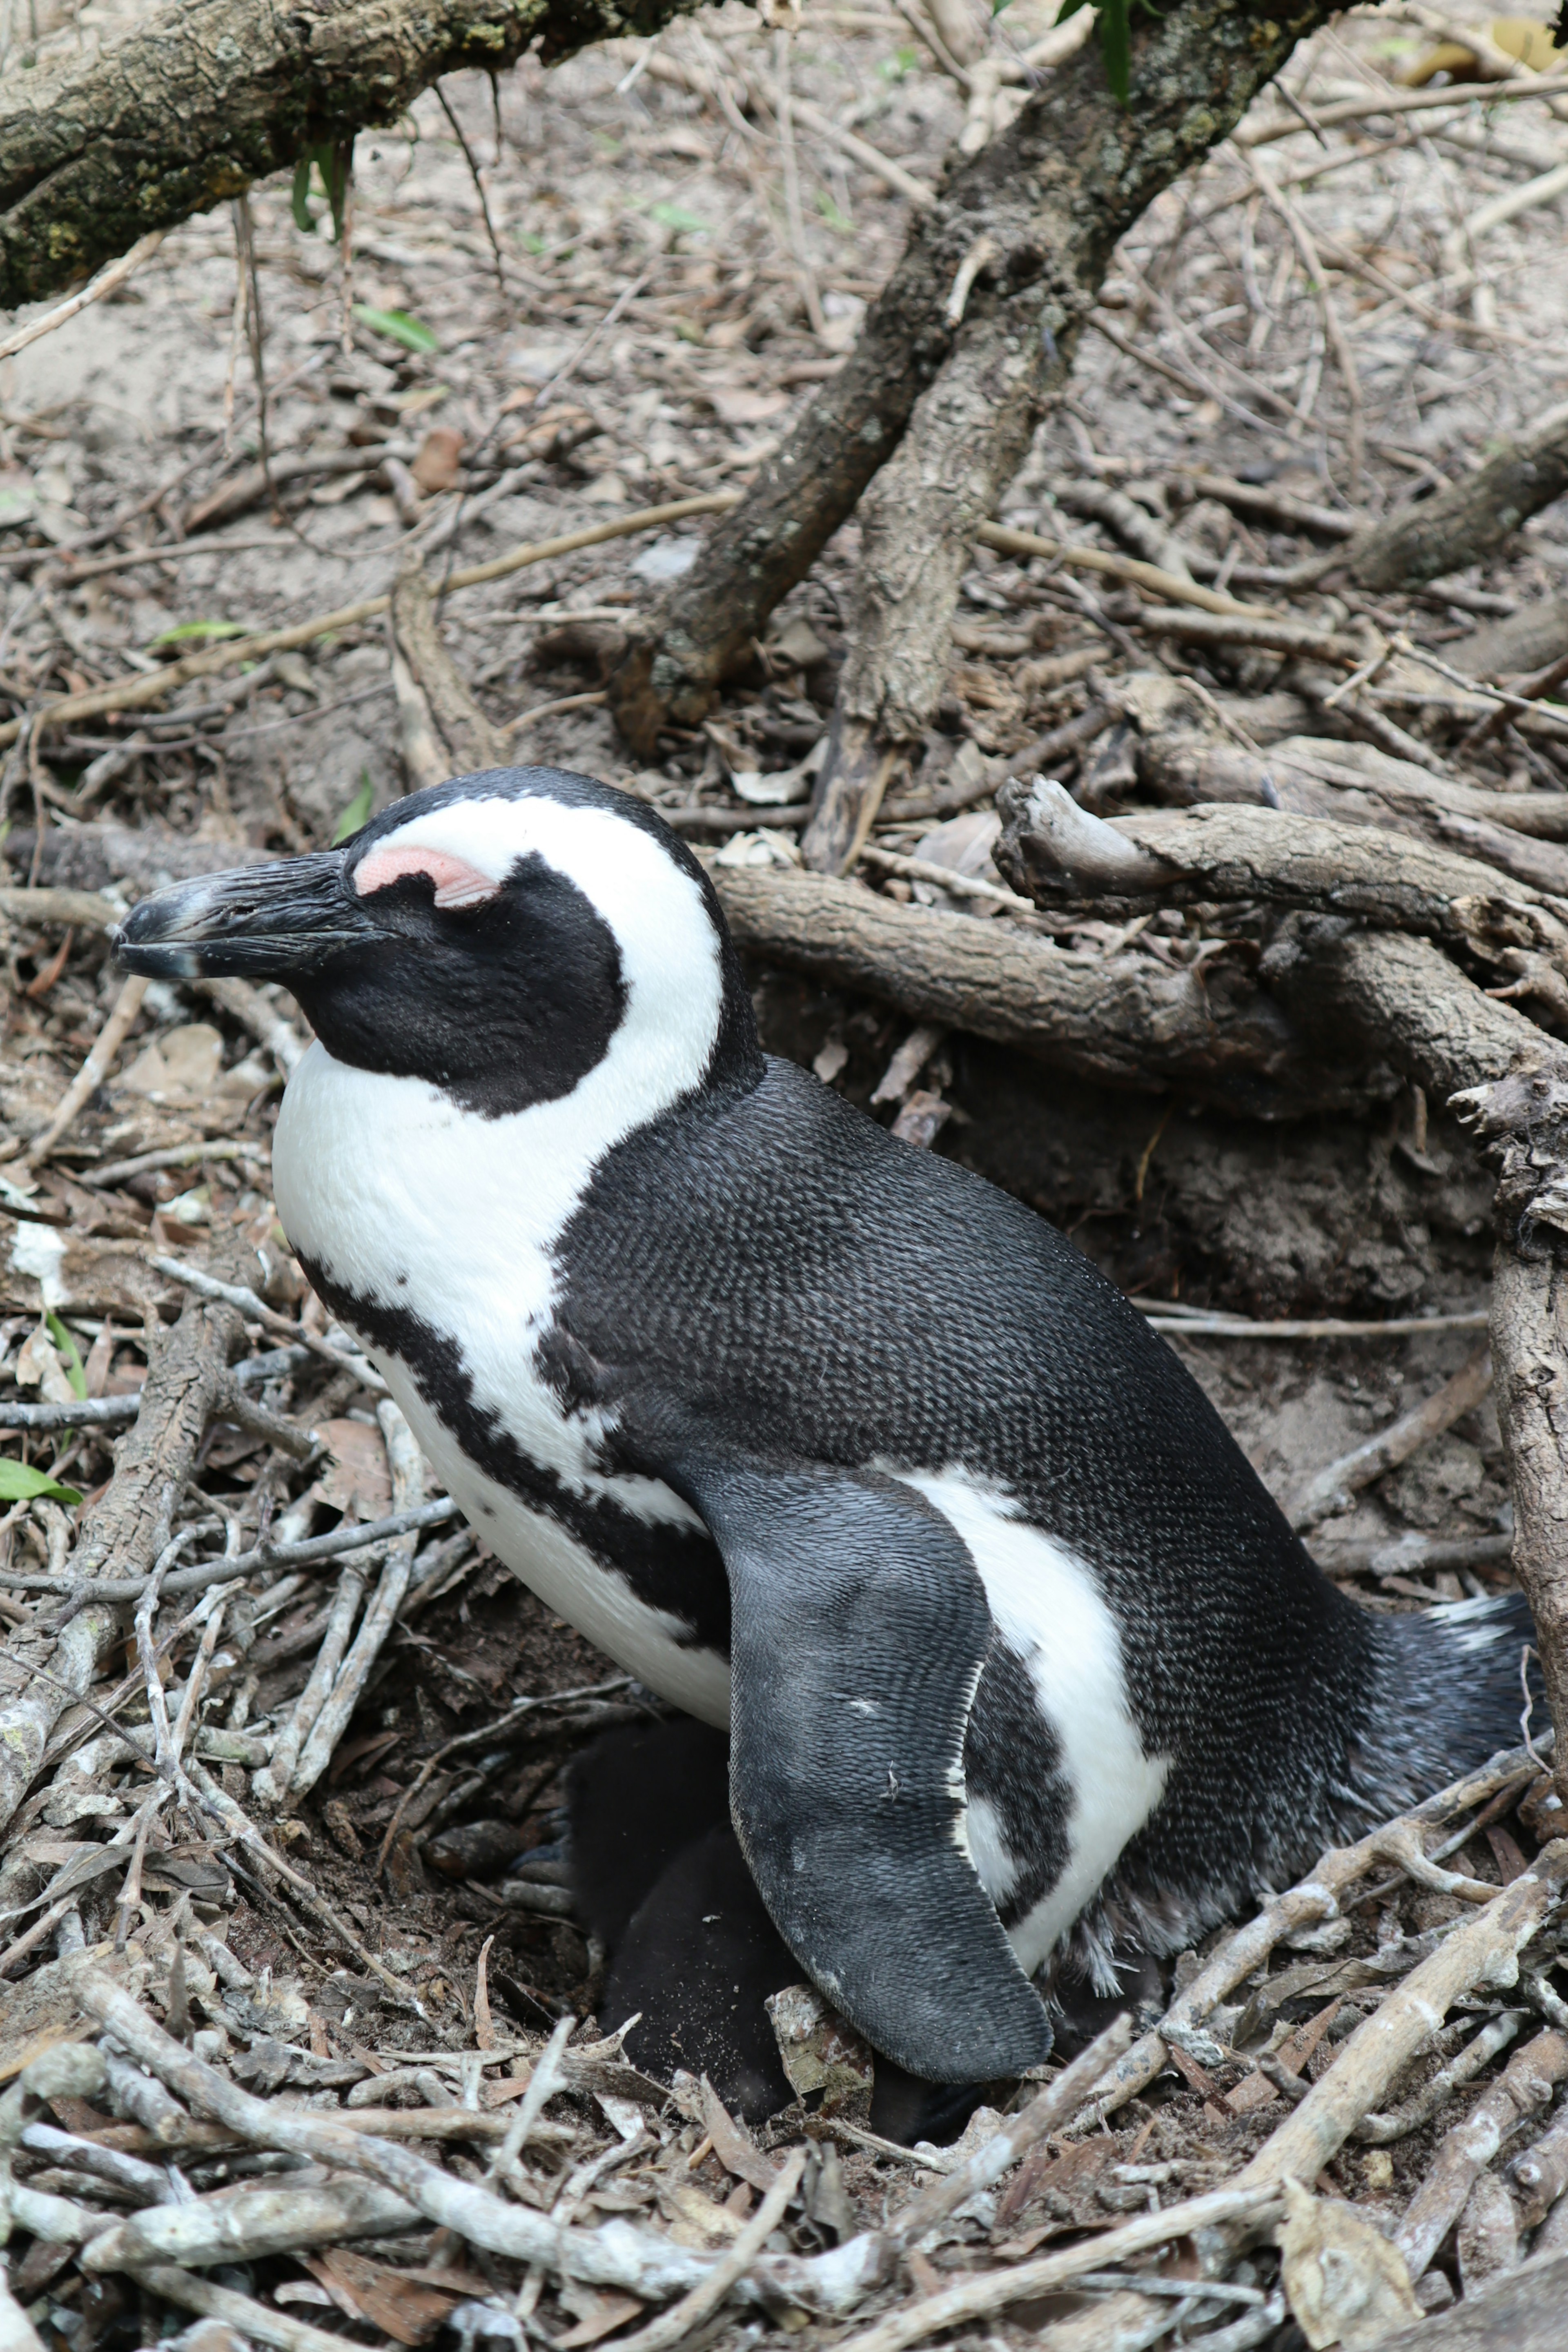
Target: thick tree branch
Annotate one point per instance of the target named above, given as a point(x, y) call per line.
point(1052, 196)
point(206, 96)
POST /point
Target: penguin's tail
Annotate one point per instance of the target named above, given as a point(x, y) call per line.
point(1458, 1682)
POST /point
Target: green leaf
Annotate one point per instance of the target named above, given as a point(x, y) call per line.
point(20, 1482)
point(184, 631)
point(410, 333)
point(902, 63)
point(333, 166)
point(1116, 48)
point(358, 810)
point(830, 213)
point(675, 217)
point(69, 1354)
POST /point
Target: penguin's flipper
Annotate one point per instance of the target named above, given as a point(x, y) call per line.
point(858, 1629)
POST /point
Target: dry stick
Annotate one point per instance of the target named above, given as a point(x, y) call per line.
point(93, 1071)
point(236, 1294)
point(134, 693)
point(1313, 1898)
point(963, 885)
point(1050, 2109)
point(17, 2332)
point(241, 2313)
point(1334, 329)
point(113, 274)
point(332, 1722)
point(1382, 2130)
point(1159, 583)
point(1481, 1952)
point(1402, 101)
point(1406, 1555)
point(975, 2298)
point(1332, 1487)
point(1524, 2086)
point(618, 2256)
point(223, 2229)
point(270, 1786)
point(200, 1791)
point(304, 1554)
point(672, 2325)
point(487, 1733)
point(1326, 1327)
point(1185, 376)
point(793, 215)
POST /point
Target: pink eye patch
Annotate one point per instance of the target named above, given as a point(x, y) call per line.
point(457, 884)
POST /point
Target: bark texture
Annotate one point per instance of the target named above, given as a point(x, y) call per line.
point(206, 96)
point(1124, 1020)
point(185, 1383)
point(1443, 534)
point(1524, 1117)
point(442, 730)
point(1059, 854)
point(1053, 194)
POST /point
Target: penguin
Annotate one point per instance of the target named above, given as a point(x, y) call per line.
point(834, 1446)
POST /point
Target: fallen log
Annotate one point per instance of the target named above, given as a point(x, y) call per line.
point(1060, 856)
point(1123, 1019)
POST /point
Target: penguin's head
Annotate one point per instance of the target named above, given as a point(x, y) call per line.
point(500, 937)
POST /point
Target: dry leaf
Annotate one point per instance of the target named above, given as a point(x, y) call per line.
point(357, 1473)
point(388, 2299)
point(1345, 2285)
point(599, 2313)
point(819, 2052)
point(440, 455)
point(38, 1366)
point(182, 1066)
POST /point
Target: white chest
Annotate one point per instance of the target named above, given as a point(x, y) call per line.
point(448, 1226)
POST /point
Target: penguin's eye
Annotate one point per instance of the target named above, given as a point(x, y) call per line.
point(457, 884)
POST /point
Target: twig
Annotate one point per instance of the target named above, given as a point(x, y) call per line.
point(471, 159)
point(1313, 1898)
point(1326, 1327)
point(236, 1294)
point(332, 1722)
point(113, 274)
point(804, 270)
point(484, 1737)
point(1168, 584)
point(1332, 1488)
point(135, 693)
point(925, 869)
point(1049, 2111)
point(270, 1785)
point(620, 2256)
point(1481, 1951)
point(1382, 2131)
point(673, 2325)
point(94, 1070)
point(304, 1554)
point(1403, 101)
point(975, 2298)
point(1333, 327)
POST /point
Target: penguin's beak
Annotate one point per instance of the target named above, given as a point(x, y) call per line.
point(261, 922)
